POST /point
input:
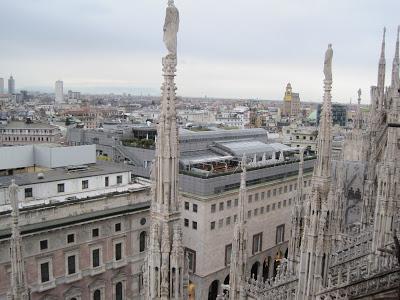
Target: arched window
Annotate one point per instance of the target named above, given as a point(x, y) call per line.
point(97, 295)
point(142, 241)
point(118, 291)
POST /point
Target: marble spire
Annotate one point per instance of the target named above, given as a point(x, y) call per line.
point(19, 289)
point(396, 64)
point(382, 63)
point(239, 243)
point(165, 266)
point(297, 219)
point(316, 244)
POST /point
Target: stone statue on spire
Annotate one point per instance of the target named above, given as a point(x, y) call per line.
point(171, 27)
point(328, 63)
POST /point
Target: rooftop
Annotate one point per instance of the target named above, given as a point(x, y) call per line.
point(23, 125)
point(59, 174)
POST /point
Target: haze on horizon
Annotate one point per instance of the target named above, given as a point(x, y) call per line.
point(227, 48)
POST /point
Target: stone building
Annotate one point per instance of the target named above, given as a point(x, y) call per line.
point(77, 232)
point(22, 133)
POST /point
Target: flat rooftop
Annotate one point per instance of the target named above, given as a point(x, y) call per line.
point(23, 125)
point(63, 173)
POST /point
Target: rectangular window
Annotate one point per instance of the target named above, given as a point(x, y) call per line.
point(195, 208)
point(249, 214)
point(262, 195)
point(119, 179)
point(187, 205)
point(44, 245)
point(45, 272)
point(194, 225)
point(268, 193)
point(279, 204)
point(213, 208)
point(267, 208)
point(234, 218)
point(295, 186)
point(290, 201)
point(71, 262)
point(28, 193)
point(250, 198)
point(256, 197)
point(305, 183)
point(256, 212)
point(71, 238)
point(220, 223)
point(186, 222)
point(274, 192)
point(229, 204)
point(60, 188)
point(284, 203)
point(290, 187)
point(228, 220)
point(257, 243)
point(85, 184)
point(106, 181)
point(273, 206)
point(191, 254)
point(118, 251)
point(117, 227)
point(96, 258)
point(95, 232)
point(262, 210)
point(280, 234)
point(280, 190)
point(228, 253)
point(236, 202)
point(221, 206)
point(212, 225)
point(285, 189)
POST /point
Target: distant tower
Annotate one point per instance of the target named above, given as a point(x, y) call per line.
point(291, 103)
point(18, 281)
point(1, 85)
point(11, 85)
point(166, 269)
point(59, 91)
point(316, 246)
point(239, 245)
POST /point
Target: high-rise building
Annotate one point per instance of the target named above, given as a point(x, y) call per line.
point(1, 85)
point(11, 85)
point(59, 91)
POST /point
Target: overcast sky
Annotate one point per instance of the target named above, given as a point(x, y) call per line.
point(227, 48)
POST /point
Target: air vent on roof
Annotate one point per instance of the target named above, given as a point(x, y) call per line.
point(40, 175)
point(76, 168)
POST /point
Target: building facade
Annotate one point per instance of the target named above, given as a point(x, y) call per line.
point(23, 133)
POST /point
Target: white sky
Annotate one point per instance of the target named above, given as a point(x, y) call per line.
point(227, 48)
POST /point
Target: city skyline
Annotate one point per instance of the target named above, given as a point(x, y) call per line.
point(243, 57)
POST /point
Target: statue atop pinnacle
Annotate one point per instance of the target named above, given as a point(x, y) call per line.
point(171, 27)
point(328, 63)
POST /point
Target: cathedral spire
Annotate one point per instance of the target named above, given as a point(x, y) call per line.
point(297, 219)
point(396, 64)
point(165, 270)
point(239, 243)
point(382, 63)
point(323, 165)
point(316, 246)
point(358, 120)
point(18, 281)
